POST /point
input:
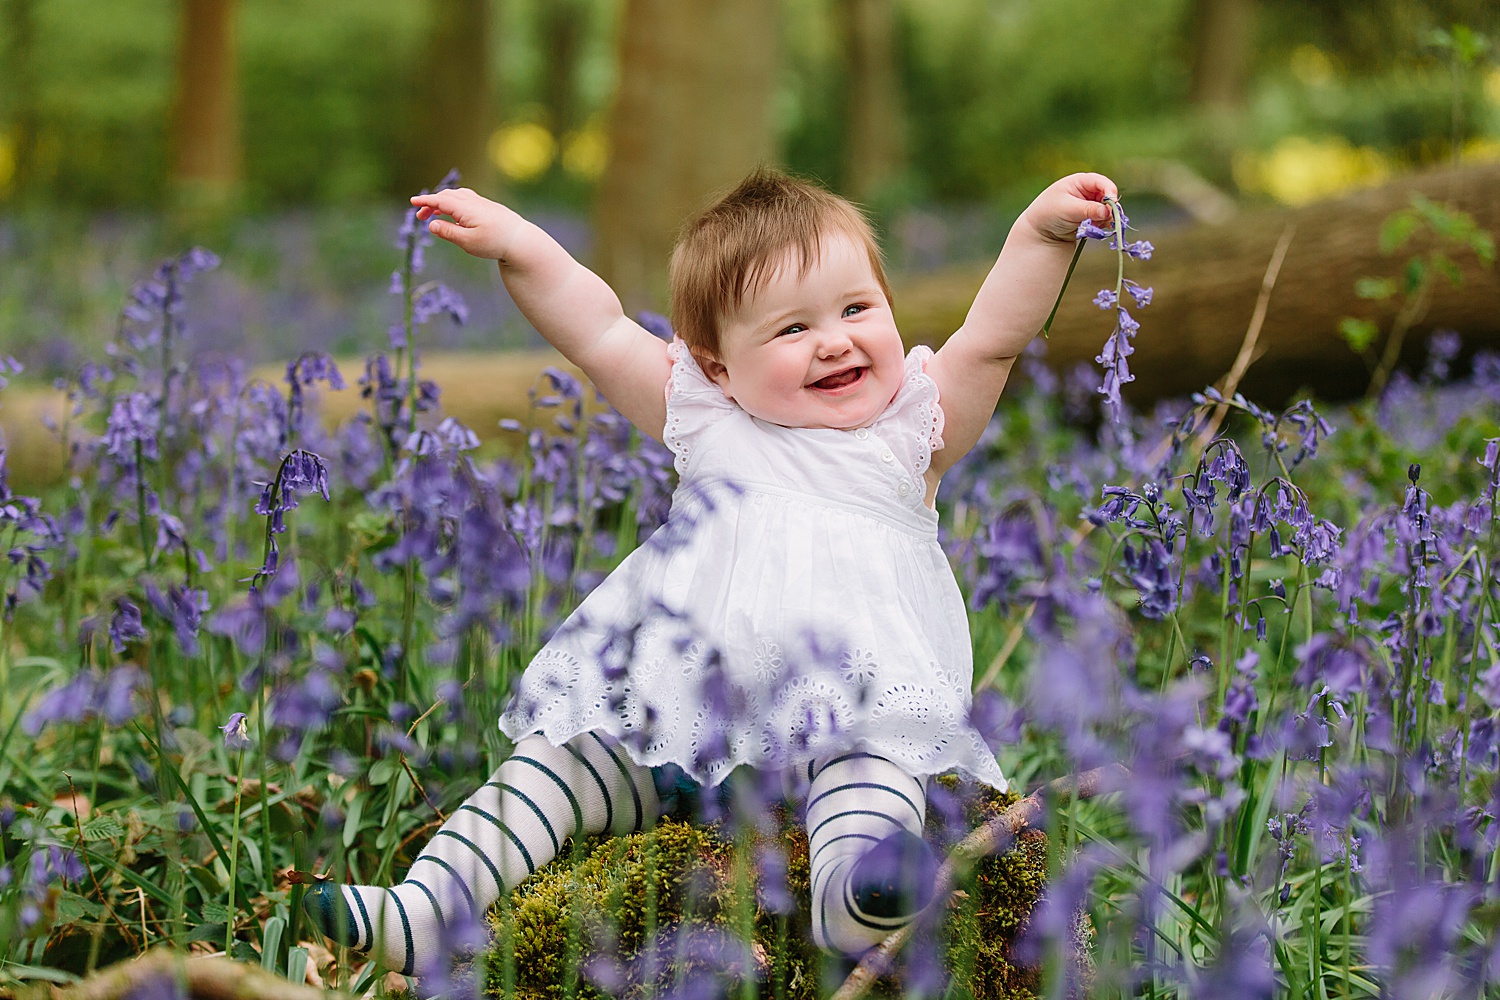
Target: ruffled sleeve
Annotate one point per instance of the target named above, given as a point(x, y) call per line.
point(694, 403)
point(912, 425)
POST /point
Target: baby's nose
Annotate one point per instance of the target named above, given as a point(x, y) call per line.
point(833, 344)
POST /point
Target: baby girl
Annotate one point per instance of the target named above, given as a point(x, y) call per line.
point(796, 612)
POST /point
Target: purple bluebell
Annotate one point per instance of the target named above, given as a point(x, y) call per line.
point(125, 625)
point(9, 366)
point(134, 423)
point(181, 607)
point(236, 733)
point(1443, 347)
point(655, 324)
point(435, 299)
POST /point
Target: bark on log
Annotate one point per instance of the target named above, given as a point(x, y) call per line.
point(203, 978)
point(1207, 278)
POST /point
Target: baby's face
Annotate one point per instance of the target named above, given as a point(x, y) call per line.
point(815, 350)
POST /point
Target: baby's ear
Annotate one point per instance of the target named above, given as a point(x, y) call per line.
point(715, 370)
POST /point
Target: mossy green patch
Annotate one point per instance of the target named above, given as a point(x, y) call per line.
point(582, 925)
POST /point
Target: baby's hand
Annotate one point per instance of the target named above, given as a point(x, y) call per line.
point(480, 227)
point(1057, 211)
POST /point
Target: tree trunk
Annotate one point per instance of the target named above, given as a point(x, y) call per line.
point(206, 114)
point(1223, 40)
point(692, 116)
point(562, 32)
point(20, 104)
point(454, 112)
point(1207, 279)
point(873, 116)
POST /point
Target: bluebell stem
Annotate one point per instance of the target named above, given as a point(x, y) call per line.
point(310, 368)
point(300, 472)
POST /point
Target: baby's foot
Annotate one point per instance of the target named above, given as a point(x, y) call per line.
point(371, 918)
point(894, 879)
point(329, 912)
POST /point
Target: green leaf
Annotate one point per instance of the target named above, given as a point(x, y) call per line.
point(1416, 274)
point(1358, 333)
point(207, 932)
point(215, 913)
point(21, 972)
point(271, 945)
point(1374, 288)
point(1439, 218)
point(1397, 229)
point(372, 530)
point(102, 828)
point(351, 820)
point(388, 836)
point(71, 908)
point(296, 964)
point(382, 771)
point(1442, 265)
point(1483, 245)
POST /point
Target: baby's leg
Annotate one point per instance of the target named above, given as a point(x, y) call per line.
point(513, 825)
point(871, 870)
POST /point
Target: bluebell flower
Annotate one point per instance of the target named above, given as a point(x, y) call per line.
point(655, 324)
point(236, 733)
point(436, 299)
point(8, 366)
point(133, 421)
point(125, 624)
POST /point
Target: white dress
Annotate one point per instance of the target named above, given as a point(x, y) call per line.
point(795, 603)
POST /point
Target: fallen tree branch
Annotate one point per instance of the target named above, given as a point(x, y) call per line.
point(984, 841)
point(211, 977)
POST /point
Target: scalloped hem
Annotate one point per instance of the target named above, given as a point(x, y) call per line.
point(558, 735)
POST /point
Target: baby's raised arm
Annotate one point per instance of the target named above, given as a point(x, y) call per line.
point(972, 367)
point(569, 305)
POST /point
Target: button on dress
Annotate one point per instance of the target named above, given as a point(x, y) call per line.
point(795, 603)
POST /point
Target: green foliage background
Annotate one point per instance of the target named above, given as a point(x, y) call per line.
point(998, 93)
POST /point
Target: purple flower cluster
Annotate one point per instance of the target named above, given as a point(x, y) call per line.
point(1118, 348)
point(90, 694)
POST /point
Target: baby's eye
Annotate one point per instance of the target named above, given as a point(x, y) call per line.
point(852, 310)
point(794, 328)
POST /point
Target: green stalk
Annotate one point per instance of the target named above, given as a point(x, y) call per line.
point(408, 306)
point(140, 502)
point(234, 849)
point(1047, 326)
point(1119, 223)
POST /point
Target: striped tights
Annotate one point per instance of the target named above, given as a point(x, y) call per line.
point(864, 820)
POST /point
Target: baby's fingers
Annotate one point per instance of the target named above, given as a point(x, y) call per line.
point(454, 233)
point(449, 201)
point(1093, 187)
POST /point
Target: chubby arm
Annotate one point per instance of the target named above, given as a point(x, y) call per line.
point(568, 304)
point(972, 367)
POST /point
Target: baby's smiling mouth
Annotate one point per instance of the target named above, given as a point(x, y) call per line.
point(839, 380)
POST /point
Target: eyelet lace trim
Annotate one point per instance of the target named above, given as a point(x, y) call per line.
point(694, 401)
point(917, 412)
point(659, 711)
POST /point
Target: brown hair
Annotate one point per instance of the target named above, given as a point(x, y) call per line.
point(737, 243)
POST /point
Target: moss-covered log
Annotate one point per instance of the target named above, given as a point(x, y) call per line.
point(683, 896)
